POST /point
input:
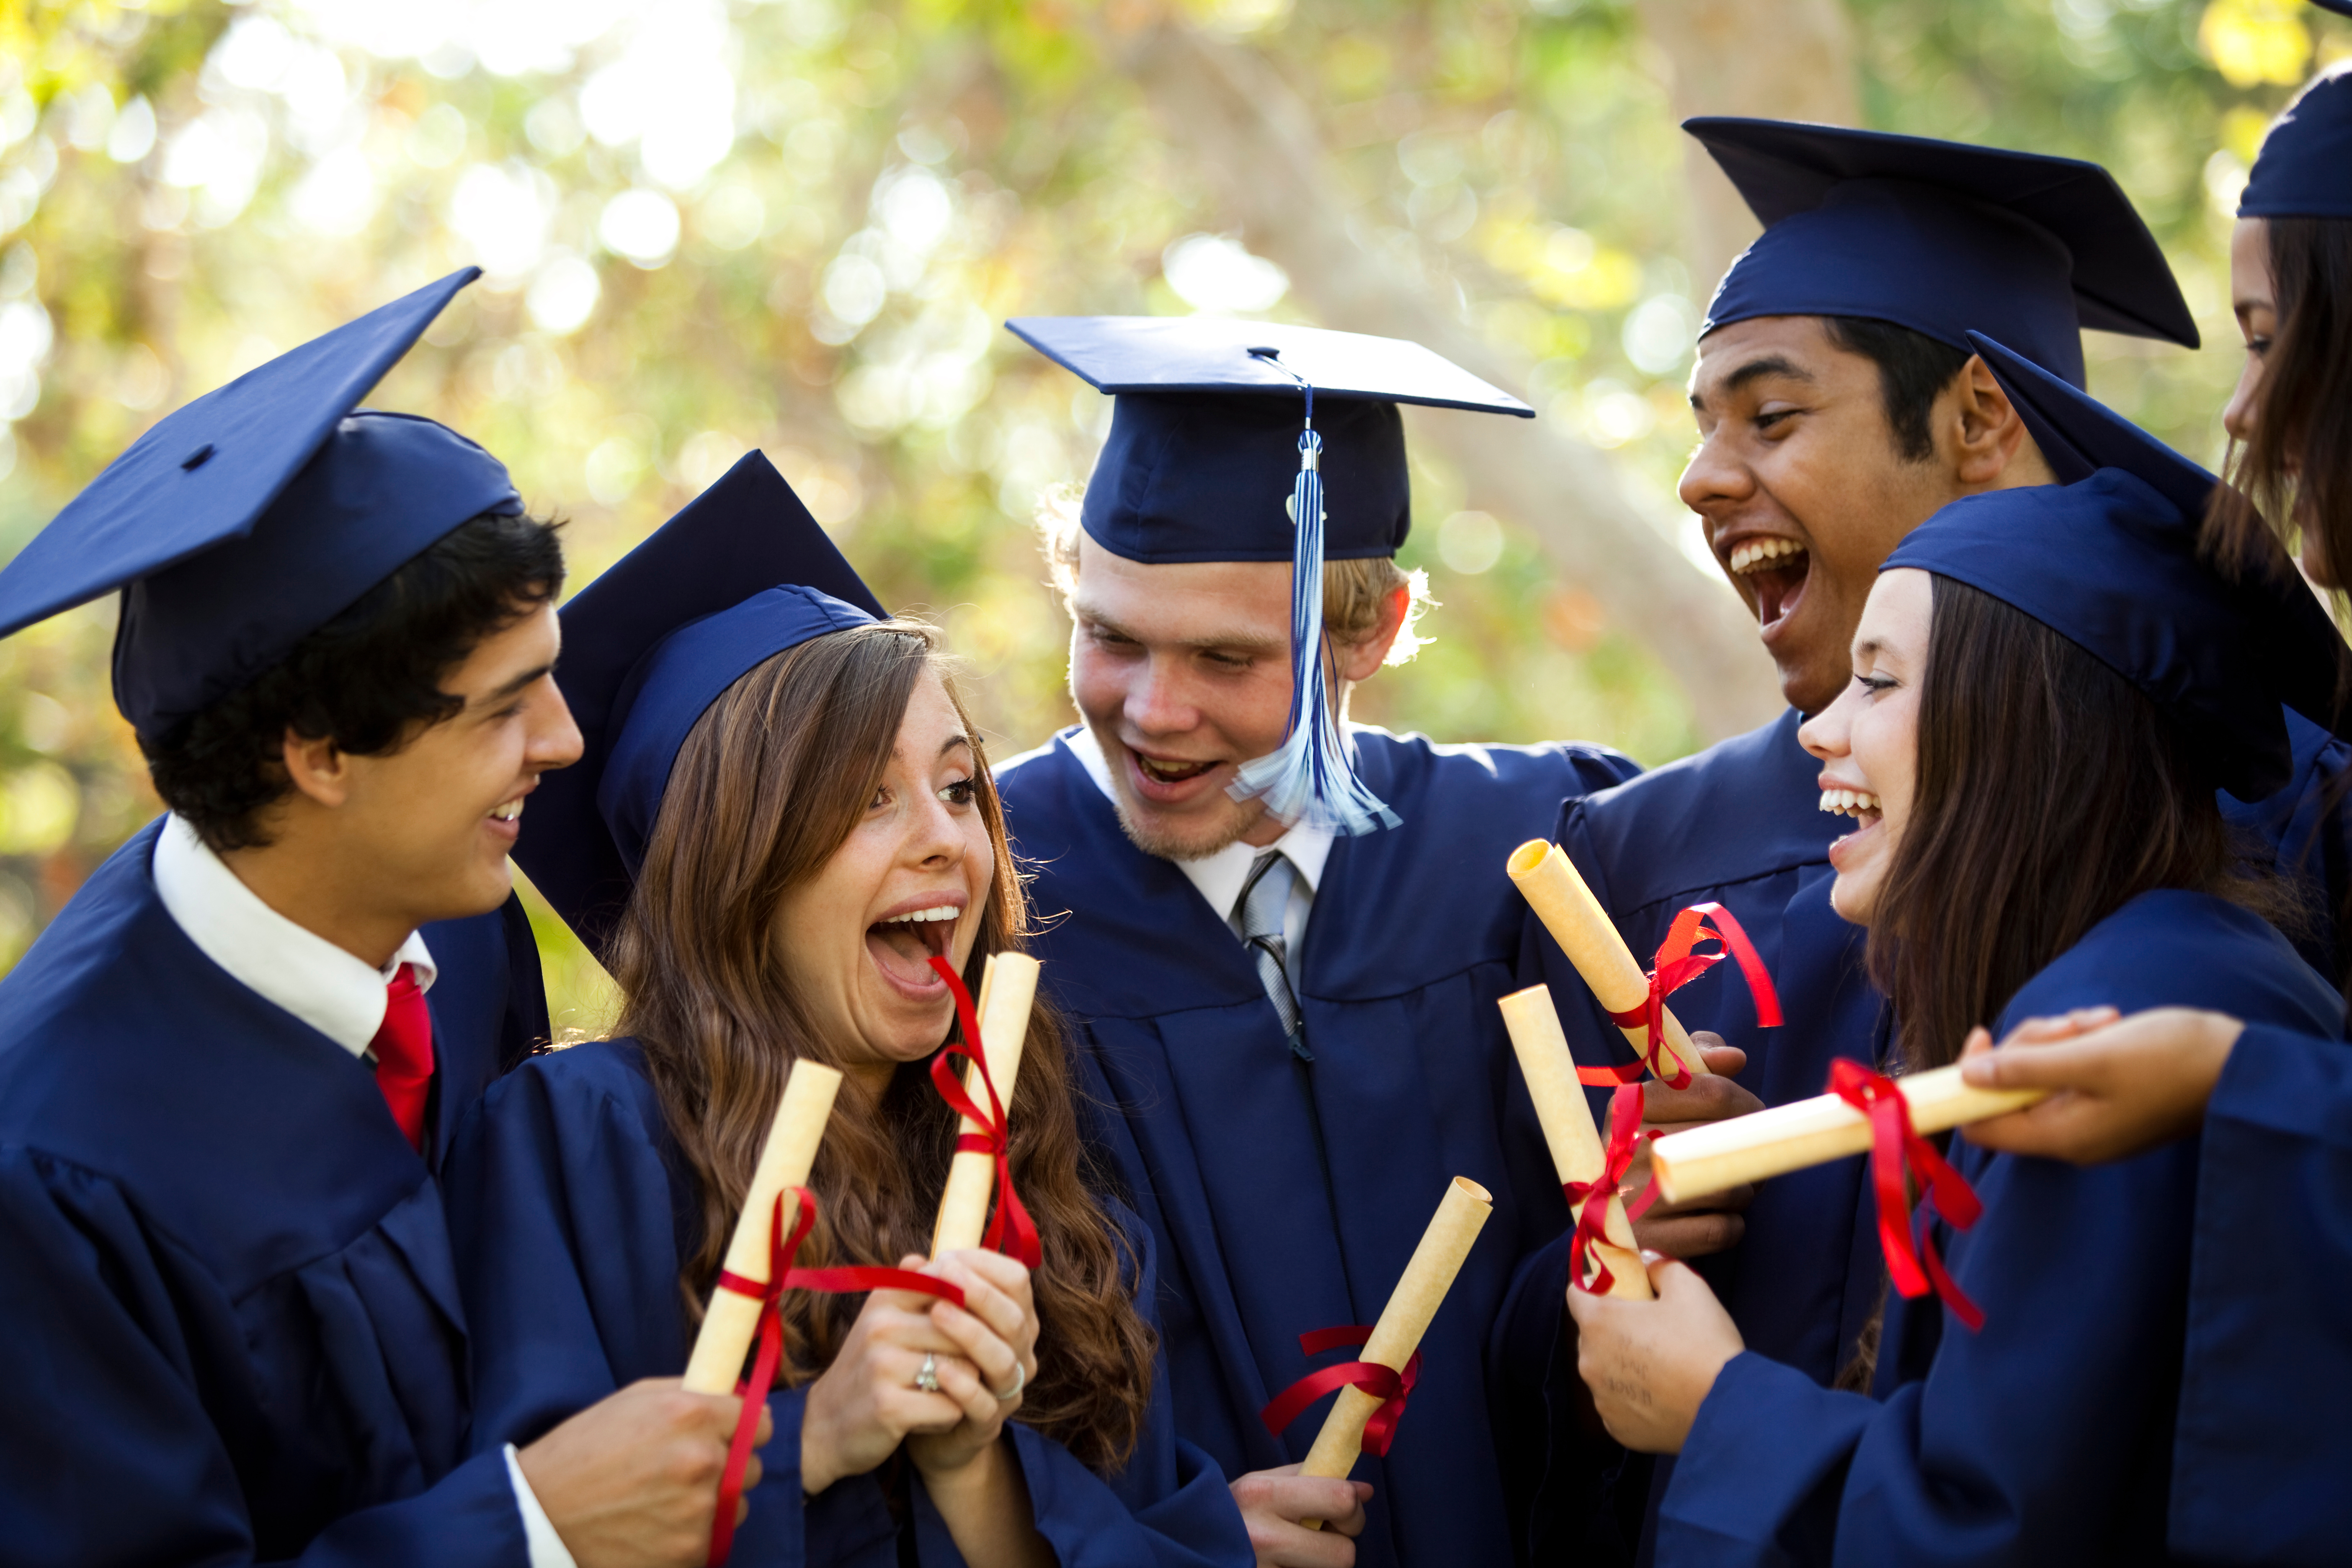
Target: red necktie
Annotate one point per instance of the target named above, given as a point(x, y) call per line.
point(404, 1055)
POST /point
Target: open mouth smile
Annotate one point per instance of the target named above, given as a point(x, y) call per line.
point(1775, 569)
point(902, 945)
point(1168, 779)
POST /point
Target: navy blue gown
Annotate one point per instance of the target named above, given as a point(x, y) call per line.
point(1287, 1197)
point(2258, 1466)
point(571, 1214)
point(1740, 824)
point(229, 1327)
point(2047, 1435)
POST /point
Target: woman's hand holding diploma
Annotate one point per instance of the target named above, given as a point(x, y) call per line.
point(2122, 1085)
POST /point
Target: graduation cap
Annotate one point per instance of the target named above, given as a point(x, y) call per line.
point(1941, 237)
point(2109, 558)
point(740, 574)
point(1235, 440)
point(245, 522)
point(2305, 169)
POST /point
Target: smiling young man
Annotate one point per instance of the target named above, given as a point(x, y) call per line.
point(229, 1069)
point(1839, 403)
point(1288, 1009)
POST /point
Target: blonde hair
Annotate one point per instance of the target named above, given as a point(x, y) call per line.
point(1355, 593)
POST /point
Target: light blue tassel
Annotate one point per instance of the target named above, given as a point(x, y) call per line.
point(1311, 779)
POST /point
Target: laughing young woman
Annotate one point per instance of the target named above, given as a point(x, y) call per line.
point(798, 817)
point(2049, 684)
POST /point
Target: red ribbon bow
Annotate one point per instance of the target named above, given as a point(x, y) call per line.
point(1893, 1141)
point(1386, 1384)
point(1625, 1136)
point(1676, 967)
point(1007, 1217)
point(784, 1277)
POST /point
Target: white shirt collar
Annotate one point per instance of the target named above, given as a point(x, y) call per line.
point(1222, 876)
point(336, 993)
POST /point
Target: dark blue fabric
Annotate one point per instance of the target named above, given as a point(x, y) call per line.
point(1203, 444)
point(246, 520)
point(2305, 169)
point(2046, 1436)
point(741, 573)
point(572, 1214)
point(2258, 1457)
point(1740, 824)
point(1221, 1137)
point(1941, 237)
point(232, 1329)
point(2118, 569)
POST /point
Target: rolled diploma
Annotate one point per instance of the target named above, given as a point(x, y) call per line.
point(1007, 990)
point(1720, 1154)
point(1576, 1152)
point(1403, 1321)
point(732, 1320)
point(1582, 928)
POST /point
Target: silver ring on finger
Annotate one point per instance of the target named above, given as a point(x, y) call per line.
point(1020, 1381)
point(927, 1376)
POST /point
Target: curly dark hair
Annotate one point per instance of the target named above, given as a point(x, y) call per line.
point(370, 678)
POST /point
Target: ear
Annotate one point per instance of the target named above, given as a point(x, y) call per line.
point(1986, 427)
point(1358, 661)
point(316, 767)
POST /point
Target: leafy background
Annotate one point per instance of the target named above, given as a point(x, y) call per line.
point(711, 225)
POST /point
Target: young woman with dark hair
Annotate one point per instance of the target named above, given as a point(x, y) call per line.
point(2031, 746)
point(806, 819)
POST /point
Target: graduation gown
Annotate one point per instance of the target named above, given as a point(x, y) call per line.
point(229, 1327)
point(2046, 1436)
point(573, 1212)
point(1286, 1196)
point(2257, 1460)
point(1740, 824)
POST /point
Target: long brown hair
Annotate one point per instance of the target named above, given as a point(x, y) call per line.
point(2296, 471)
point(768, 785)
point(2051, 793)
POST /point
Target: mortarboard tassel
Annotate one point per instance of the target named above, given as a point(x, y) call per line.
point(1311, 778)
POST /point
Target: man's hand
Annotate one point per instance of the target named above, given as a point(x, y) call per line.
point(634, 1479)
point(1651, 1363)
point(2123, 1086)
point(1273, 1501)
point(1710, 1223)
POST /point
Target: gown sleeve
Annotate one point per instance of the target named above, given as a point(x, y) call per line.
point(2025, 1442)
point(2267, 1374)
point(561, 1219)
point(1169, 1506)
point(107, 1451)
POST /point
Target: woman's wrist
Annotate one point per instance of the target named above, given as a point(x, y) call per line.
point(972, 1470)
point(820, 1457)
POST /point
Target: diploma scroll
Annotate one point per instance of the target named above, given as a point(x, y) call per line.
point(1008, 989)
point(732, 1321)
point(1720, 1154)
point(1582, 928)
point(1402, 1322)
point(1566, 1118)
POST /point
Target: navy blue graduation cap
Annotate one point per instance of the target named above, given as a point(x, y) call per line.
point(2109, 558)
point(739, 575)
point(1941, 237)
point(2305, 169)
point(250, 519)
point(1216, 422)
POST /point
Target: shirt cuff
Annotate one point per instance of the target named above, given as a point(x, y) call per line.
point(547, 1547)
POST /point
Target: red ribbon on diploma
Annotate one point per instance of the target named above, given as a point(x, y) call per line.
point(1892, 1141)
point(1384, 1384)
point(1007, 1218)
point(1624, 1137)
point(1676, 967)
point(784, 1277)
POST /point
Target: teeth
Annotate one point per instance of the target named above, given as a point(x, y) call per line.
point(1854, 803)
point(1752, 554)
point(944, 913)
point(508, 812)
point(1164, 770)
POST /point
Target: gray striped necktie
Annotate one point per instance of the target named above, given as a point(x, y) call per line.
point(1265, 899)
